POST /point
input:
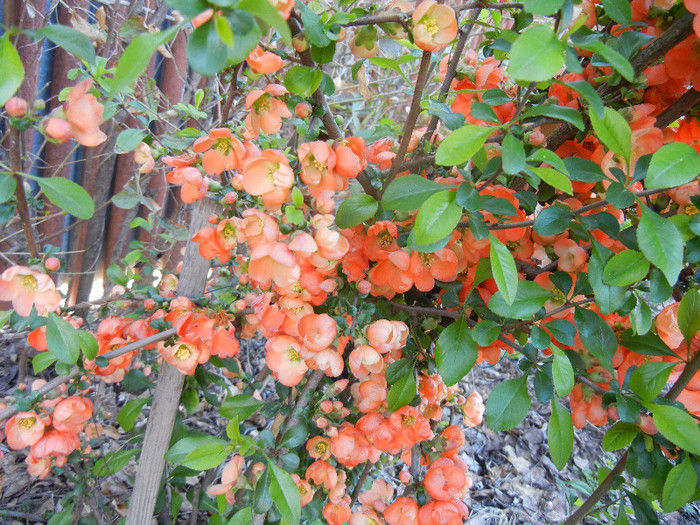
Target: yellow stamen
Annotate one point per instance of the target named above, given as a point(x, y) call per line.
point(25, 423)
point(293, 355)
point(28, 282)
point(183, 353)
point(430, 26)
point(408, 421)
point(426, 259)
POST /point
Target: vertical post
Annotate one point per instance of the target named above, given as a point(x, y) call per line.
point(166, 399)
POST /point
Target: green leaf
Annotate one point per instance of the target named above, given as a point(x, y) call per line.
point(619, 436)
point(512, 155)
point(313, 26)
point(113, 462)
point(179, 451)
point(552, 220)
point(294, 437)
point(129, 139)
point(619, 10)
point(409, 192)
point(285, 494)
point(648, 380)
point(130, 413)
point(583, 170)
point(597, 336)
point(560, 435)
point(206, 456)
point(543, 7)
point(268, 14)
point(68, 196)
point(507, 404)
point(455, 352)
point(677, 426)
point(389, 63)
point(562, 330)
point(461, 145)
point(615, 59)
point(437, 217)
point(205, 51)
point(65, 517)
point(303, 80)
point(614, 132)
point(136, 56)
point(625, 268)
point(71, 40)
point(536, 55)
point(589, 94)
point(689, 314)
point(562, 113)
point(641, 318)
point(528, 301)
point(402, 391)
point(12, 69)
point(649, 344)
point(608, 298)
point(242, 517)
point(42, 361)
point(241, 406)
point(504, 271)
point(88, 344)
point(356, 210)
point(661, 243)
point(562, 372)
point(223, 29)
point(554, 178)
point(262, 501)
point(679, 486)
point(8, 184)
point(62, 339)
point(672, 165)
point(125, 200)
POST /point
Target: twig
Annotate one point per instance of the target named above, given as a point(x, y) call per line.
point(426, 310)
point(360, 481)
point(679, 108)
point(399, 17)
point(22, 209)
point(75, 371)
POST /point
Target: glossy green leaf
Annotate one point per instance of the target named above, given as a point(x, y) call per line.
point(8, 184)
point(507, 404)
point(12, 69)
point(679, 486)
point(42, 361)
point(437, 217)
point(512, 155)
point(241, 406)
point(407, 193)
point(303, 80)
point(529, 298)
point(455, 352)
point(648, 380)
point(356, 210)
point(619, 10)
point(625, 268)
point(461, 145)
point(67, 195)
point(614, 132)
point(71, 40)
point(672, 165)
point(597, 336)
point(285, 494)
point(661, 243)
point(560, 435)
point(206, 456)
point(504, 271)
point(552, 220)
point(242, 517)
point(562, 372)
point(619, 436)
point(266, 12)
point(542, 7)
point(536, 55)
point(62, 339)
point(689, 314)
point(129, 139)
point(677, 426)
point(130, 412)
point(554, 178)
point(569, 115)
point(402, 391)
point(113, 462)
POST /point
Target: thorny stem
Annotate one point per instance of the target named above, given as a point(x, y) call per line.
point(22, 209)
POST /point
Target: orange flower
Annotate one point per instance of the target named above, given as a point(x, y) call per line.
point(71, 414)
point(25, 288)
point(364, 360)
point(387, 336)
point(378, 496)
point(317, 331)
point(404, 511)
point(337, 513)
point(410, 427)
point(221, 150)
point(319, 447)
point(426, 267)
point(283, 358)
point(266, 111)
point(273, 262)
point(667, 326)
point(317, 161)
point(85, 115)
point(144, 156)
point(473, 409)
point(24, 430)
point(443, 512)
point(434, 26)
point(194, 187)
point(370, 393)
point(381, 240)
point(184, 356)
point(56, 444)
point(284, 7)
point(229, 478)
point(321, 473)
point(350, 155)
point(270, 176)
point(38, 467)
point(350, 447)
point(445, 481)
point(306, 493)
point(264, 62)
point(571, 256)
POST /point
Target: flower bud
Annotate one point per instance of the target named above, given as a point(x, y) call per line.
point(58, 129)
point(52, 264)
point(300, 43)
point(302, 109)
point(17, 107)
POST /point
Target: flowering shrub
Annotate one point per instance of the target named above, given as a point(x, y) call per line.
point(537, 201)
